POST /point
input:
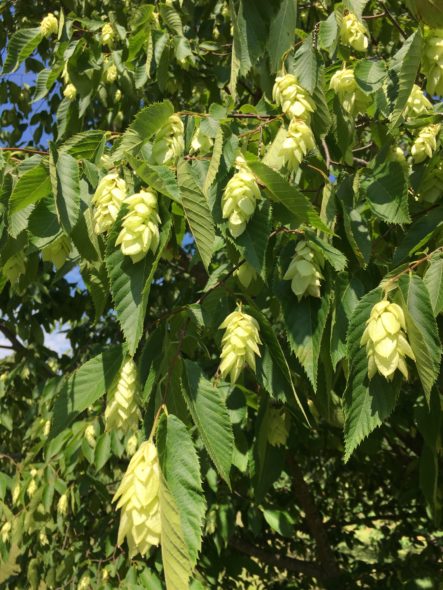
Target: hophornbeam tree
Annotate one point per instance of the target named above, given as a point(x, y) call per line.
point(233, 211)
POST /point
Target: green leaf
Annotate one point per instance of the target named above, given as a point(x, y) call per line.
point(102, 450)
point(207, 405)
point(240, 49)
point(403, 70)
point(85, 145)
point(147, 122)
point(159, 178)
point(288, 195)
point(386, 188)
point(68, 191)
point(43, 225)
point(171, 18)
point(197, 212)
point(418, 234)
point(421, 329)
point(214, 164)
point(366, 402)
point(85, 386)
point(433, 280)
point(181, 470)
point(328, 33)
point(331, 254)
point(130, 284)
point(253, 242)
point(356, 6)
point(305, 321)
point(281, 32)
point(175, 557)
point(31, 187)
point(370, 74)
point(306, 65)
point(20, 46)
point(355, 225)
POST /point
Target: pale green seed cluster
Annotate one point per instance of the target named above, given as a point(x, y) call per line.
point(425, 143)
point(246, 273)
point(240, 344)
point(122, 412)
point(353, 32)
point(294, 100)
point(352, 99)
point(240, 198)
point(385, 338)
point(57, 251)
point(417, 103)
point(140, 232)
point(49, 25)
point(70, 92)
point(169, 142)
point(433, 61)
point(107, 34)
point(107, 200)
point(304, 271)
point(138, 499)
point(298, 142)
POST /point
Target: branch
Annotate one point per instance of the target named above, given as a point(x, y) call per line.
point(26, 150)
point(314, 522)
point(393, 20)
point(327, 154)
point(298, 566)
point(16, 344)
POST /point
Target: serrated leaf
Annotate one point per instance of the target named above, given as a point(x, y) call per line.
point(421, 329)
point(158, 177)
point(43, 225)
point(288, 195)
point(207, 405)
point(386, 188)
point(418, 234)
point(328, 33)
point(68, 191)
point(370, 74)
point(306, 65)
point(20, 46)
point(102, 450)
point(85, 145)
point(336, 258)
point(305, 321)
point(403, 70)
point(30, 188)
point(130, 284)
point(433, 279)
point(214, 164)
point(147, 122)
point(281, 32)
point(356, 6)
point(87, 384)
point(197, 212)
point(181, 470)
point(366, 402)
point(253, 242)
point(175, 557)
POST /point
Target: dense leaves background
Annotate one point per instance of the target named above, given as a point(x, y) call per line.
point(353, 498)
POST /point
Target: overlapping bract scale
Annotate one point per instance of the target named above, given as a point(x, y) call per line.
point(240, 344)
point(138, 499)
point(298, 142)
point(240, 198)
point(353, 32)
point(425, 143)
point(433, 61)
point(352, 99)
point(107, 200)
point(122, 412)
point(294, 100)
point(386, 341)
point(169, 142)
point(304, 271)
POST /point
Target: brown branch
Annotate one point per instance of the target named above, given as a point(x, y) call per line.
point(10, 335)
point(393, 20)
point(314, 522)
point(414, 265)
point(26, 150)
point(327, 153)
point(298, 566)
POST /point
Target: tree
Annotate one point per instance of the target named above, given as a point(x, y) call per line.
point(251, 193)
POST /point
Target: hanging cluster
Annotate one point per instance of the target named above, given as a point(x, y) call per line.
point(122, 412)
point(140, 232)
point(417, 103)
point(57, 251)
point(49, 25)
point(240, 198)
point(304, 271)
point(386, 341)
point(108, 198)
point(294, 100)
point(70, 91)
point(353, 32)
point(240, 344)
point(169, 143)
point(425, 143)
point(111, 73)
point(107, 34)
point(14, 267)
point(138, 498)
point(298, 142)
point(433, 61)
point(352, 99)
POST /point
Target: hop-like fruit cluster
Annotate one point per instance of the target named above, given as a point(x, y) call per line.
point(139, 232)
point(386, 341)
point(201, 142)
point(14, 267)
point(353, 32)
point(62, 505)
point(240, 344)
point(277, 427)
point(298, 142)
point(425, 143)
point(49, 25)
point(246, 273)
point(240, 198)
point(107, 34)
point(122, 412)
point(294, 100)
point(138, 496)
point(5, 531)
point(90, 434)
point(433, 61)
point(304, 271)
point(352, 98)
point(70, 91)
point(57, 251)
point(169, 143)
point(417, 103)
point(111, 74)
point(108, 198)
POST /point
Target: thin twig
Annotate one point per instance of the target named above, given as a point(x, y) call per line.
point(413, 265)
point(26, 150)
point(327, 153)
point(393, 20)
point(219, 283)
